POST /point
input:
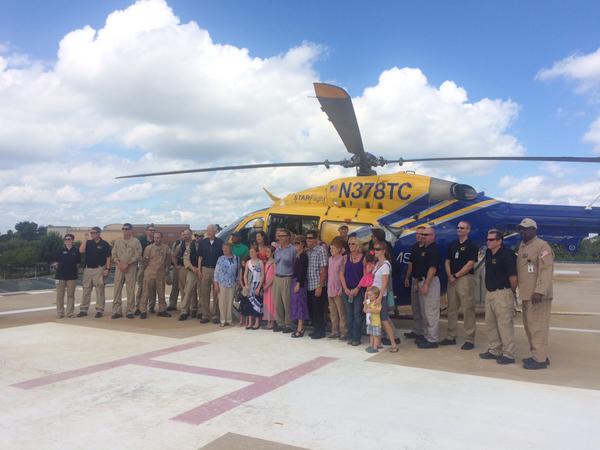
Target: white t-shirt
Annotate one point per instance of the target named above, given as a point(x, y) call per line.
point(378, 274)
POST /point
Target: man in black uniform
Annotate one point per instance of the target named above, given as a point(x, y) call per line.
point(66, 274)
point(425, 271)
point(501, 285)
point(461, 258)
point(97, 264)
point(145, 240)
point(409, 281)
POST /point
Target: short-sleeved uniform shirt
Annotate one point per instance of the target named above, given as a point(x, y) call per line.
point(460, 254)
point(498, 268)
point(426, 257)
point(317, 259)
point(158, 259)
point(96, 253)
point(67, 263)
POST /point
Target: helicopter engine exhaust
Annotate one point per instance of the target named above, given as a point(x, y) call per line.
point(448, 190)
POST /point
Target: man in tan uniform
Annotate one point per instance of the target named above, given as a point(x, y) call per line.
point(190, 270)
point(176, 287)
point(535, 268)
point(126, 254)
point(157, 259)
point(145, 240)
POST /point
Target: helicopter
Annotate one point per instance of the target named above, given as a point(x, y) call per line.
point(400, 202)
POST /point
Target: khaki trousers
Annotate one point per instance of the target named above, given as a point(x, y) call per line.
point(461, 294)
point(154, 287)
point(69, 286)
point(416, 308)
point(281, 299)
point(226, 303)
point(499, 314)
point(337, 314)
point(140, 290)
point(175, 288)
point(92, 278)
point(190, 298)
point(430, 308)
point(126, 278)
point(536, 320)
point(206, 285)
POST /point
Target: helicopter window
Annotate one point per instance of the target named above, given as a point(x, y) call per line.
point(296, 224)
point(329, 229)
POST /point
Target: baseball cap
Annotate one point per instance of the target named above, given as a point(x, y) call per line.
point(527, 223)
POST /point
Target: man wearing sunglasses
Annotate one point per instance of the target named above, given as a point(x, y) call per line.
point(425, 271)
point(126, 254)
point(535, 268)
point(66, 275)
point(97, 264)
point(461, 258)
point(500, 285)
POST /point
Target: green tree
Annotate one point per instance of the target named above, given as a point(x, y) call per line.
point(50, 245)
point(27, 231)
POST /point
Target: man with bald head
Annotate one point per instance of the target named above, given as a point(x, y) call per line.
point(425, 271)
point(209, 250)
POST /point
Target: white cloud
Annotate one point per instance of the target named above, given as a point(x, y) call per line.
point(550, 190)
point(148, 93)
point(584, 71)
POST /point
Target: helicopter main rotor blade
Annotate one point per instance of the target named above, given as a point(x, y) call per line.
point(241, 167)
point(337, 104)
point(580, 159)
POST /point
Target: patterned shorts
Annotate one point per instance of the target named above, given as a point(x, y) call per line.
point(373, 331)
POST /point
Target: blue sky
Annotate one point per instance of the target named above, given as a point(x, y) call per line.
point(491, 50)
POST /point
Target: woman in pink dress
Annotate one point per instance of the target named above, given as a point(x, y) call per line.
point(268, 306)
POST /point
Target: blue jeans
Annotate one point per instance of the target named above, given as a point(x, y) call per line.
point(354, 315)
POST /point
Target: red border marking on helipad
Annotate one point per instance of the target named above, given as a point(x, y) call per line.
point(259, 384)
point(62, 376)
point(218, 406)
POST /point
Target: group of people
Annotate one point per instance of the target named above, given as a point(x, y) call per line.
point(284, 285)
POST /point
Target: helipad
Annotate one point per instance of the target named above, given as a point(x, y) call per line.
point(162, 384)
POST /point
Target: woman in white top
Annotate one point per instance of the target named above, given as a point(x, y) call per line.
point(381, 279)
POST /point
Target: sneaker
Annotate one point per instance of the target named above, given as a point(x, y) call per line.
point(447, 341)
point(98, 314)
point(130, 315)
point(163, 314)
point(488, 355)
point(137, 312)
point(143, 315)
point(468, 346)
point(182, 317)
point(427, 344)
point(203, 320)
point(412, 335)
point(82, 314)
point(372, 350)
point(505, 360)
point(420, 339)
point(116, 316)
point(534, 365)
point(171, 308)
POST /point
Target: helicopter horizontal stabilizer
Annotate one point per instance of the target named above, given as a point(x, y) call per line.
point(274, 198)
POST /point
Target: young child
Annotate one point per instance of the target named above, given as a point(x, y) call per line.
point(337, 311)
point(244, 302)
point(372, 309)
point(367, 278)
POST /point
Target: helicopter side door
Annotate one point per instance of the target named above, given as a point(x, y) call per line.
point(295, 223)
